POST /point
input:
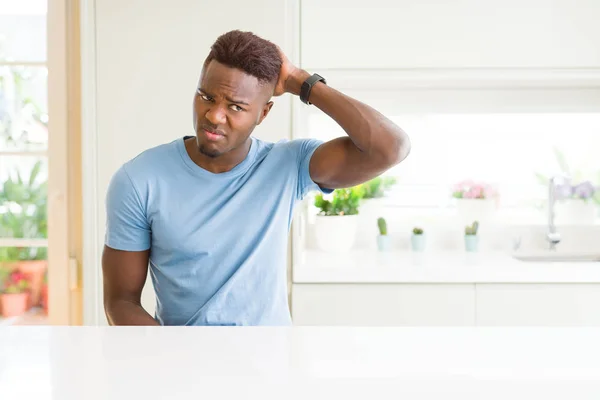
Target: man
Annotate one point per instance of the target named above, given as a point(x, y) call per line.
point(211, 213)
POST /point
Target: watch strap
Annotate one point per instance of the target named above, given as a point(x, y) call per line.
point(306, 87)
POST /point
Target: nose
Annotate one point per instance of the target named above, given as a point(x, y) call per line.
point(216, 115)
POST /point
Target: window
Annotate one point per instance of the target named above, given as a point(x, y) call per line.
point(508, 138)
point(23, 144)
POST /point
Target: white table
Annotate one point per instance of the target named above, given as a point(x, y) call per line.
point(298, 363)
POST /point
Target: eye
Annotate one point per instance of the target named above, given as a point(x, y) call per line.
point(235, 107)
point(203, 96)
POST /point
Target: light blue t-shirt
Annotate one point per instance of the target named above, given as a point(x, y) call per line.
point(218, 242)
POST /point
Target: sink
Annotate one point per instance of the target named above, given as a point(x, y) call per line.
point(554, 256)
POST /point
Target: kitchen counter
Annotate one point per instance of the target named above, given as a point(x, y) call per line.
point(69, 363)
point(449, 267)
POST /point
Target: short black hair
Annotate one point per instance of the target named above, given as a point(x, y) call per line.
point(248, 52)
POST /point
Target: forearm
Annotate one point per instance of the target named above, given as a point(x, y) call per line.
point(370, 131)
point(124, 312)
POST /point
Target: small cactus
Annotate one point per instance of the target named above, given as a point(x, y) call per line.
point(382, 226)
point(417, 231)
point(472, 230)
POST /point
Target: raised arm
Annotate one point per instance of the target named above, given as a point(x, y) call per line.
point(374, 143)
point(124, 275)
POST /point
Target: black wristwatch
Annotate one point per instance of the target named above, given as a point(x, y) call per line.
point(307, 87)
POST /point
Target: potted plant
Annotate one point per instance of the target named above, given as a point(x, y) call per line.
point(578, 197)
point(14, 294)
point(25, 202)
point(471, 237)
point(371, 207)
point(337, 224)
point(417, 239)
point(373, 189)
point(474, 200)
point(383, 239)
point(577, 202)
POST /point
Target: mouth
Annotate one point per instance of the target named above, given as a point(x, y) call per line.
point(212, 134)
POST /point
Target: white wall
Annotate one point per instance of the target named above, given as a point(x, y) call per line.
point(450, 34)
point(149, 54)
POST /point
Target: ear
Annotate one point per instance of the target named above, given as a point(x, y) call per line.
point(265, 112)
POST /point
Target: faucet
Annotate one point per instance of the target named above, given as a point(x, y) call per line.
point(553, 237)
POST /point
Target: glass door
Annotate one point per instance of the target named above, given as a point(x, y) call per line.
point(25, 177)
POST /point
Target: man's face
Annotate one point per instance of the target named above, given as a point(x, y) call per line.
point(228, 105)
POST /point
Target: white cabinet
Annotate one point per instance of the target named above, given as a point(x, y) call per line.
point(383, 304)
point(481, 304)
point(383, 34)
point(538, 304)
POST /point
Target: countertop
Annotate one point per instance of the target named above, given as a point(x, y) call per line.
point(68, 363)
point(439, 267)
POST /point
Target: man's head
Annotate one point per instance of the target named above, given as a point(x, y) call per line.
point(234, 92)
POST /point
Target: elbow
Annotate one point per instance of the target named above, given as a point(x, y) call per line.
point(113, 306)
point(397, 151)
point(403, 149)
point(109, 310)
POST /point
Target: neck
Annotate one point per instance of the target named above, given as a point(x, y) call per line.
point(223, 163)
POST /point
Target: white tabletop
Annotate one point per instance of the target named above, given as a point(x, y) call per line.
point(66, 363)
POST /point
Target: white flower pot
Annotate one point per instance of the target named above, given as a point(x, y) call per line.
point(418, 242)
point(471, 243)
point(384, 243)
point(574, 211)
point(336, 233)
point(470, 210)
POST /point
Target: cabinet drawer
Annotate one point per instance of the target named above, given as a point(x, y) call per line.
point(538, 304)
point(383, 304)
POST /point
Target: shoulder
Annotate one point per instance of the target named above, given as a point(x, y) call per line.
point(296, 148)
point(135, 176)
point(150, 162)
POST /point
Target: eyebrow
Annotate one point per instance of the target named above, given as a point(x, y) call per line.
point(226, 98)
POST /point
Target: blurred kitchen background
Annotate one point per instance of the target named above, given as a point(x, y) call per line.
point(492, 220)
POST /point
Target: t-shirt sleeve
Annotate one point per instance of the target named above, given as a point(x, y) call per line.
point(127, 227)
point(305, 149)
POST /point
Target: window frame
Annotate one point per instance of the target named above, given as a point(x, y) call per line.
point(62, 17)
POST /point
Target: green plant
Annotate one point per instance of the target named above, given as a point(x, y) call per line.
point(21, 115)
point(23, 214)
point(4, 273)
point(376, 187)
point(417, 231)
point(373, 189)
point(9, 255)
point(382, 226)
point(343, 202)
point(472, 229)
point(389, 181)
